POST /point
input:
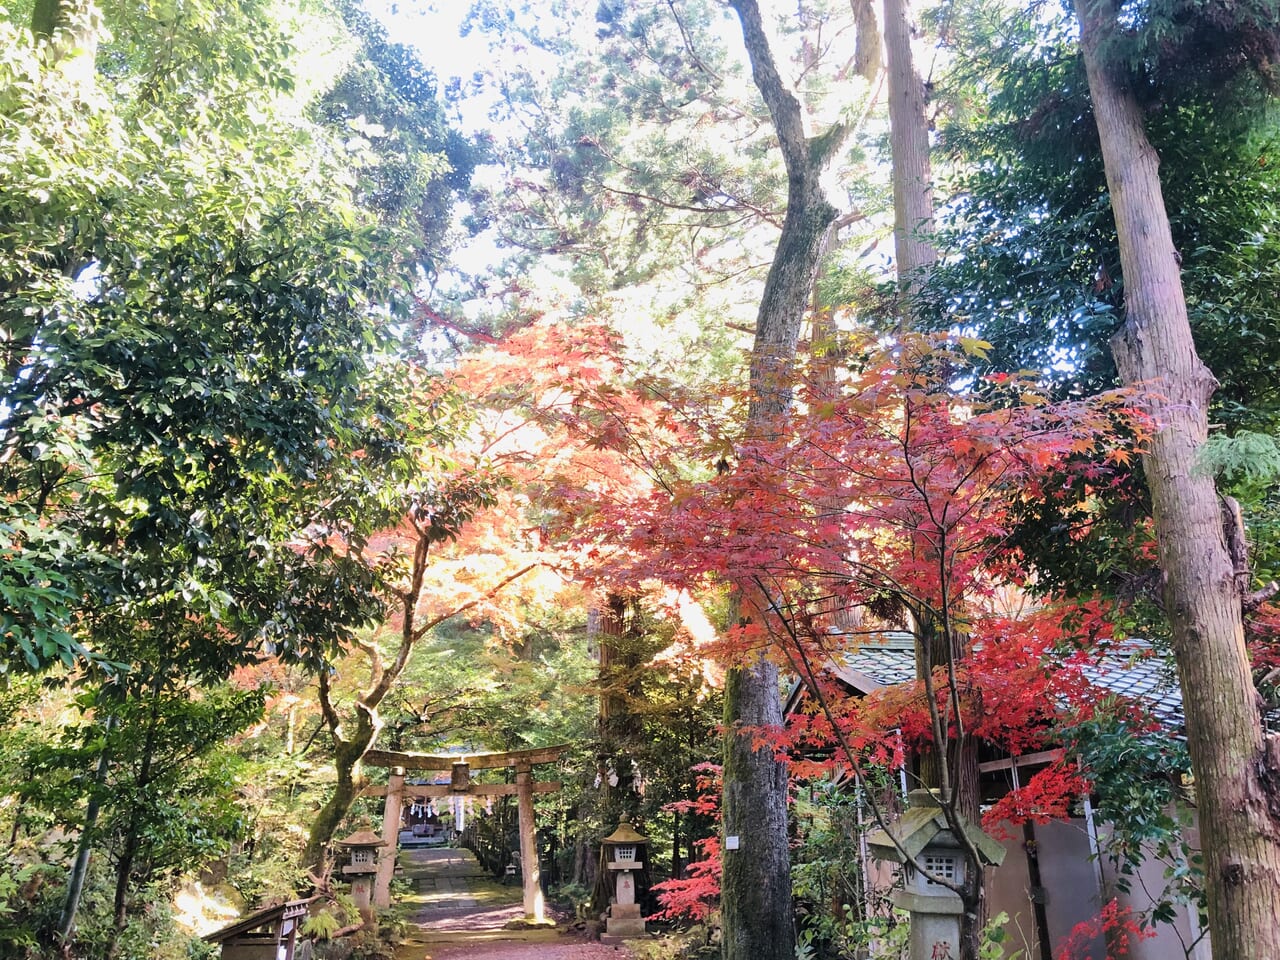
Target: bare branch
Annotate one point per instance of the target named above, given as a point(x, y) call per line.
point(487, 595)
point(331, 718)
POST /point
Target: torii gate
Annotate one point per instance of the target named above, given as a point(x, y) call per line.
point(460, 784)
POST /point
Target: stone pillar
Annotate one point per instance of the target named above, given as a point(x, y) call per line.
point(529, 868)
point(361, 894)
point(390, 837)
point(935, 925)
point(625, 920)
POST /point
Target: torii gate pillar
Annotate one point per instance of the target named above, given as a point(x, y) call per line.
point(530, 870)
point(390, 839)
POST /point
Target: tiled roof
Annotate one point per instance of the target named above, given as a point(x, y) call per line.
point(1148, 679)
point(1128, 670)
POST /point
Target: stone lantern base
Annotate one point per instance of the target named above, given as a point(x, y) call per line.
point(625, 921)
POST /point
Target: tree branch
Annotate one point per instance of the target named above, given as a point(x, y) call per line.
point(782, 103)
point(331, 718)
point(487, 595)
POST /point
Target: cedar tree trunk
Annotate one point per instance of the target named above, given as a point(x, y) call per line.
point(1234, 761)
point(952, 767)
point(912, 172)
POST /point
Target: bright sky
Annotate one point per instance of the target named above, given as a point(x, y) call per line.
point(433, 26)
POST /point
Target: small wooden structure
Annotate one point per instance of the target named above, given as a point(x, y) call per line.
point(267, 934)
point(623, 856)
point(460, 785)
point(362, 847)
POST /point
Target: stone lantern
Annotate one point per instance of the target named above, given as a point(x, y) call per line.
point(362, 848)
point(922, 842)
point(622, 854)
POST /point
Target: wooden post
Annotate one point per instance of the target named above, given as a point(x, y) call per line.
point(391, 839)
point(529, 870)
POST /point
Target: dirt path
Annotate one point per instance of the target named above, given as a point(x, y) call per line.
point(459, 913)
point(508, 950)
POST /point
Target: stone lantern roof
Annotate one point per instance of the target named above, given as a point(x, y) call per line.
point(362, 838)
point(625, 833)
point(923, 824)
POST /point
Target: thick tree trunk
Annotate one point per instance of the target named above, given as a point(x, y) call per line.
point(756, 883)
point(1234, 762)
point(618, 728)
point(347, 754)
point(953, 765)
point(328, 818)
point(909, 142)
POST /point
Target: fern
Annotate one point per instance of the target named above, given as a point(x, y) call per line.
point(1246, 455)
point(322, 925)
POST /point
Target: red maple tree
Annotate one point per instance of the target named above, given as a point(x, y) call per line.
point(891, 489)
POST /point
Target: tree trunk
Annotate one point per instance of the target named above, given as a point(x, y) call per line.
point(132, 841)
point(755, 887)
point(1234, 762)
point(912, 172)
point(955, 761)
point(866, 57)
point(349, 749)
point(618, 729)
point(80, 869)
point(756, 883)
point(347, 753)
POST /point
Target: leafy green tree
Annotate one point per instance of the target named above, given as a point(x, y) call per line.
point(470, 685)
point(195, 287)
point(167, 793)
point(630, 177)
point(389, 104)
point(170, 362)
point(1030, 254)
point(639, 175)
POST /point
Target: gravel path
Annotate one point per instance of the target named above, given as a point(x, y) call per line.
point(459, 913)
point(508, 950)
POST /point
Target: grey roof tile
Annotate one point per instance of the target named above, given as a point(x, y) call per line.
point(1127, 669)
